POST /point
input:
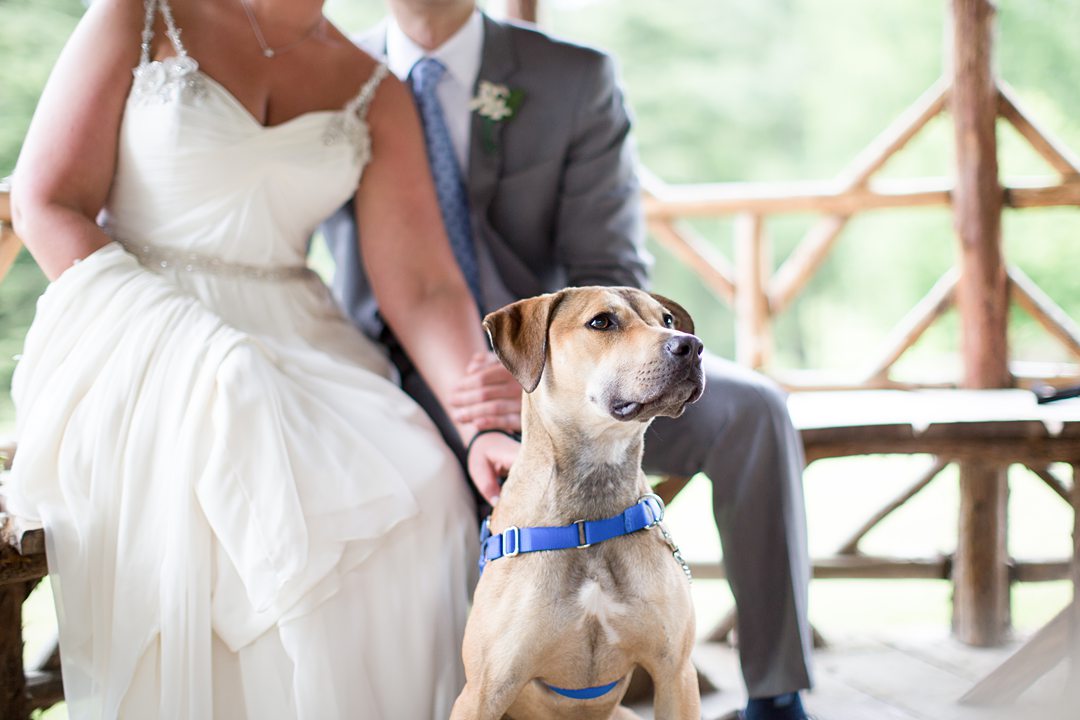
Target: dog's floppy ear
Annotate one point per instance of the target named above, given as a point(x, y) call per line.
point(683, 321)
point(518, 334)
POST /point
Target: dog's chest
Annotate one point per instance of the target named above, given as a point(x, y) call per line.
point(601, 608)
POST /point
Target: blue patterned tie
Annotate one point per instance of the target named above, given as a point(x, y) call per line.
point(449, 186)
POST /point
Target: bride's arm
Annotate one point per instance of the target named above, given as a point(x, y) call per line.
point(69, 155)
point(421, 292)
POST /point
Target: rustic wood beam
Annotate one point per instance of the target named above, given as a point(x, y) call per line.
point(981, 601)
point(713, 199)
point(874, 567)
point(9, 248)
point(845, 567)
point(851, 545)
point(1039, 571)
point(804, 261)
point(1074, 608)
point(723, 630)
point(1020, 194)
point(897, 135)
point(16, 568)
point(7, 454)
point(751, 302)
point(694, 251)
point(1043, 651)
point(525, 10)
point(914, 324)
point(31, 542)
point(1052, 481)
point(44, 688)
point(1033, 450)
point(670, 486)
point(12, 680)
point(981, 578)
point(9, 242)
point(1043, 309)
point(1046, 145)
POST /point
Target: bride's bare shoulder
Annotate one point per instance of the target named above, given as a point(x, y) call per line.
point(352, 54)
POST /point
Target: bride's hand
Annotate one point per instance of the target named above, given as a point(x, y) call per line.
point(488, 397)
point(489, 459)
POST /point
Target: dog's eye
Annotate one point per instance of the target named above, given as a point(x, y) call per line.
point(603, 321)
point(668, 320)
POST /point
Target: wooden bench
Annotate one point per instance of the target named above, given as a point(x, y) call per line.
point(997, 427)
point(22, 565)
point(994, 428)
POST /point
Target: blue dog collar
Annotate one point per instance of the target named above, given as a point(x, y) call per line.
point(584, 693)
point(647, 512)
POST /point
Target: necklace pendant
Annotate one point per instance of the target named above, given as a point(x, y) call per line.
point(268, 52)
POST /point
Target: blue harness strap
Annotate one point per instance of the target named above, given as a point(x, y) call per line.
point(648, 511)
point(584, 693)
point(645, 513)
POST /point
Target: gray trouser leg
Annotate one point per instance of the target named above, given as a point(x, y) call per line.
point(740, 435)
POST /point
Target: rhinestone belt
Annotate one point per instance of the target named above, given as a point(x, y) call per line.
point(155, 257)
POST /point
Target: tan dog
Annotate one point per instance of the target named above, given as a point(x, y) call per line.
point(597, 365)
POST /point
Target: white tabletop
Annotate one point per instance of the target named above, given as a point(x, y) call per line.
point(923, 408)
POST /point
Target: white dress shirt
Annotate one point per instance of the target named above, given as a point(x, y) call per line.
point(461, 55)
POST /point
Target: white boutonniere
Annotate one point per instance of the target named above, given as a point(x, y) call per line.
point(494, 103)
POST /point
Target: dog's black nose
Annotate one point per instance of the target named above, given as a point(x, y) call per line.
point(683, 346)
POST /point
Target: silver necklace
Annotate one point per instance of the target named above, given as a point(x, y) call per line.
point(268, 51)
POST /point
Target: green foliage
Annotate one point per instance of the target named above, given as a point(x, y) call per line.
point(31, 35)
point(795, 89)
point(756, 91)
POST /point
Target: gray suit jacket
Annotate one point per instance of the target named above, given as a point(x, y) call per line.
point(557, 204)
point(556, 201)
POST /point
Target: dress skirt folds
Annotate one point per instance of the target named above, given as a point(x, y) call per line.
point(245, 517)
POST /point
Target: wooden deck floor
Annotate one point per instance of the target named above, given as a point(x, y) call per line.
point(887, 672)
point(916, 676)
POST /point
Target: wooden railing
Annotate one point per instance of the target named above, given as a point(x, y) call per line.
point(9, 242)
point(980, 567)
point(758, 295)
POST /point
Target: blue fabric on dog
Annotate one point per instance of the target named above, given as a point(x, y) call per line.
point(584, 693)
point(648, 511)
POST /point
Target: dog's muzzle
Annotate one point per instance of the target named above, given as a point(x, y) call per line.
point(677, 381)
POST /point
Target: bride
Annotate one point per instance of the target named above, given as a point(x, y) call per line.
point(245, 516)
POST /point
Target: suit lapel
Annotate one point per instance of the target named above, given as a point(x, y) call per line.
point(497, 63)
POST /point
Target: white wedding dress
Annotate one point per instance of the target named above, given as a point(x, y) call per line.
point(246, 518)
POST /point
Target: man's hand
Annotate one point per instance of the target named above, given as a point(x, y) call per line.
point(488, 397)
point(490, 458)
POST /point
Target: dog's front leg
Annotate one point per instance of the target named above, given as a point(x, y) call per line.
point(483, 703)
point(678, 698)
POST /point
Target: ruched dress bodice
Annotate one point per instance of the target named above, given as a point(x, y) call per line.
point(196, 172)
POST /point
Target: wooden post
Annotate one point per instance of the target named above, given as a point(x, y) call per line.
point(1074, 630)
point(12, 679)
point(9, 243)
point(981, 599)
point(751, 300)
point(524, 10)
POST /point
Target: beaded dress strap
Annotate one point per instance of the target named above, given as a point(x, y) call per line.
point(359, 105)
point(173, 32)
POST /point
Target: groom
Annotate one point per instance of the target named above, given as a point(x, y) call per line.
point(538, 190)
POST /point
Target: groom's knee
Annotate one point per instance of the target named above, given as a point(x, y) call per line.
point(742, 419)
